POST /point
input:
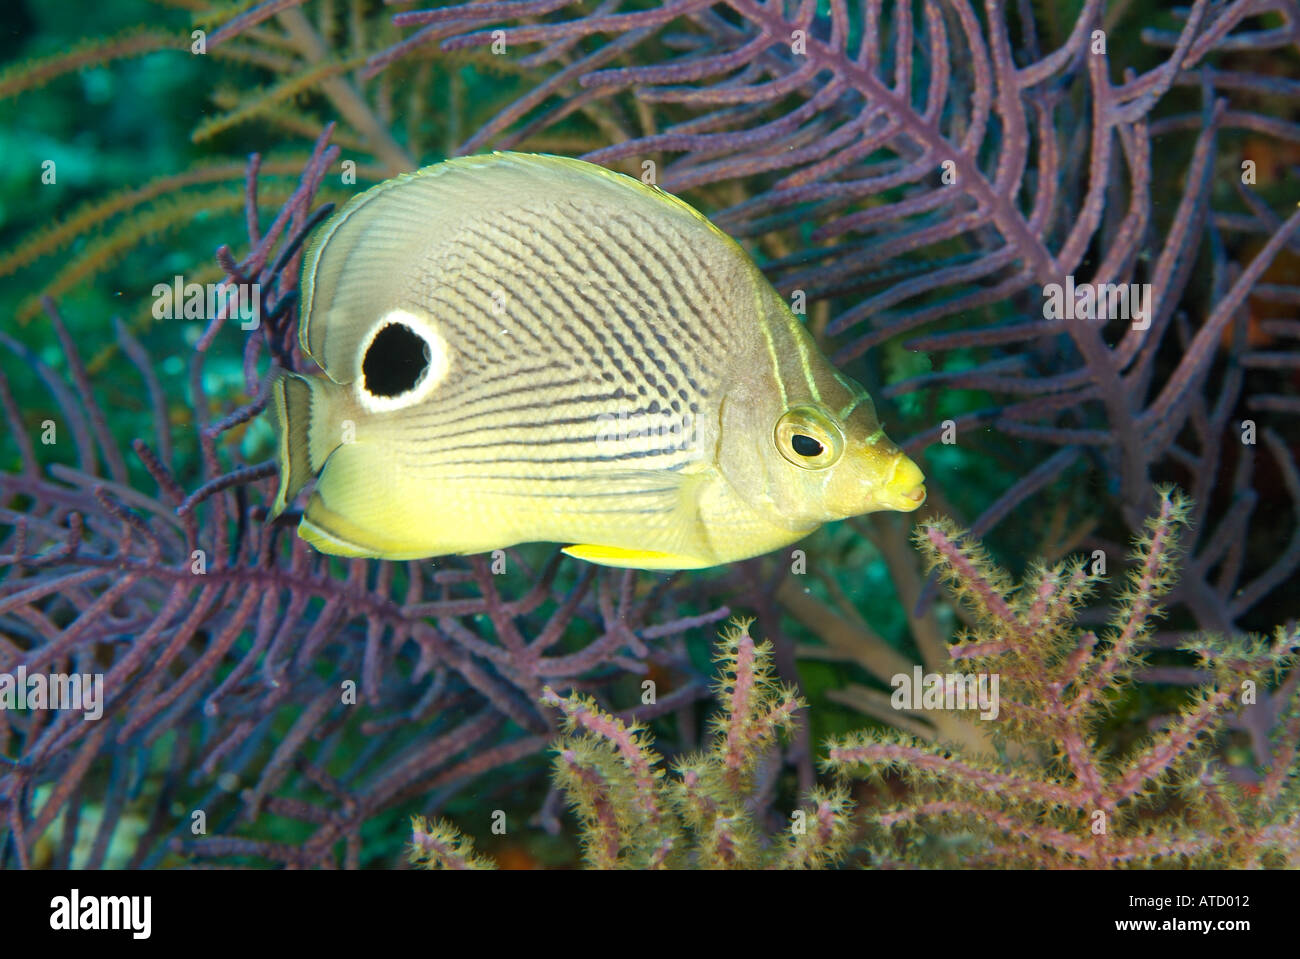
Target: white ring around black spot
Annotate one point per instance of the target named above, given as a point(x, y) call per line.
point(400, 381)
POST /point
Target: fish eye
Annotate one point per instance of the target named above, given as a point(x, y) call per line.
point(809, 438)
point(805, 445)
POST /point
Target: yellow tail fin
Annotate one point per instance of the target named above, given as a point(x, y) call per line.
point(305, 435)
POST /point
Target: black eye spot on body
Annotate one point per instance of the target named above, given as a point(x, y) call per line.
point(395, 361)
point(805, 445)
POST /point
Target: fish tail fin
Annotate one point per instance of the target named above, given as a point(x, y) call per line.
point(306, 431)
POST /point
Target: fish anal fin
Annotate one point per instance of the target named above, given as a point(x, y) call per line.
point(634, 558)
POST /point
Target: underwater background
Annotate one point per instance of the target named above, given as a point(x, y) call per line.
point(916, 178)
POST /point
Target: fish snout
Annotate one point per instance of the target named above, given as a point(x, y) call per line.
point(905, 489)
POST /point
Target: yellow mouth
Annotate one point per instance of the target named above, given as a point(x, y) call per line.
point(905, 488)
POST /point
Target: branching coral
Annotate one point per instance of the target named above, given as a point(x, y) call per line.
point(441, 846)
point(633, 815)
point(1068, 801)
point(707, 814)
point(1164, 802)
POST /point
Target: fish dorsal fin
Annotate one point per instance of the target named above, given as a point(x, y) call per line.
point(373, 256)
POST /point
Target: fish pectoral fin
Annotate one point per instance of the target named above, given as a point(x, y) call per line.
point(634, 558)
point(671, 498)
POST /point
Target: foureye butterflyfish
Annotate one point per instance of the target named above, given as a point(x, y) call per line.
point(523, 348)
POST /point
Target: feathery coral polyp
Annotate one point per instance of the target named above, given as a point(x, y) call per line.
point(1069, 800)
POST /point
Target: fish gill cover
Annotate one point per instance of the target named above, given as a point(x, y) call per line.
point(1058, 244)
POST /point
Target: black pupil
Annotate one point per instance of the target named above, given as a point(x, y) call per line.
point(805, 445)
point(395, 361)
